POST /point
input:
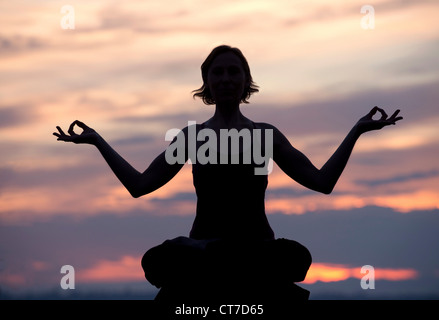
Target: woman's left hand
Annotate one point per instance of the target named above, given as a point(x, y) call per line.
point(366, 123)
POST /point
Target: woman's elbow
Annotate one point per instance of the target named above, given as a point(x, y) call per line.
point(135, 195)
point(325, 189)
point(325, 186)
point(320, 187)
point(135, 192)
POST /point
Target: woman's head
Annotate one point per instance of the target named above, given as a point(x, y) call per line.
point(208, 73)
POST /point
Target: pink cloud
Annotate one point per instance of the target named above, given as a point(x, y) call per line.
point(126, 268)
point(327, 272)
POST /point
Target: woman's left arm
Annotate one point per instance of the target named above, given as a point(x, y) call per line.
point(299, 167)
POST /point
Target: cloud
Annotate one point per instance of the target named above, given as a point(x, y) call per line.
point(400, 178)
point(150, 19)
point(367, 236)
point(67, 176)
point(125, 269)
point(15, 116)
point(180, 196)
point(323, 13)
point(332, 272)
point(284, 192)
point(392, 5)
point(418, 103)
point(107, 248)
point(177, 119)
point(17, 44)
point(420, 59)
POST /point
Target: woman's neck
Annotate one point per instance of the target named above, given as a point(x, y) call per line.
point(227, 116)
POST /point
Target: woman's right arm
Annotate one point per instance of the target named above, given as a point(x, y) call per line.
point(138, 184)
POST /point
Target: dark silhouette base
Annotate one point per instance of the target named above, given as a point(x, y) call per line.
point(209, 292)
point(228, 271)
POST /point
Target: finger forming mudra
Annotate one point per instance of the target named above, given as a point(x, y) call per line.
point(367, 123)
point(86, 136)
point(384, 117)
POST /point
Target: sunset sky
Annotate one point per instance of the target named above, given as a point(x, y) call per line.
point(127, 70)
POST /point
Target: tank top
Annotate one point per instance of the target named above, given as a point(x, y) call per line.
point(230, 199)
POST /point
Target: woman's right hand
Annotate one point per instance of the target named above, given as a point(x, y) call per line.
point(88, 136)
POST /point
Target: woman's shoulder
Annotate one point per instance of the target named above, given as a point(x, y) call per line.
point(278, 137)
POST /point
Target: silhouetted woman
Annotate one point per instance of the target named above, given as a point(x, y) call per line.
point(231, 241)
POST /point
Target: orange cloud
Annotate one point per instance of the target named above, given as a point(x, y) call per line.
point(126, 269)
point(12, 279)
point(39, 265)
point(327, 272)
point(423, 199)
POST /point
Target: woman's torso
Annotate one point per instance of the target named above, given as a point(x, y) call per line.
point(230, 197)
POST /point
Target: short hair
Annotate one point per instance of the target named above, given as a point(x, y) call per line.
point(204, 92)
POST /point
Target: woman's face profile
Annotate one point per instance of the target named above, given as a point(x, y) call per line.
point(226, 78)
